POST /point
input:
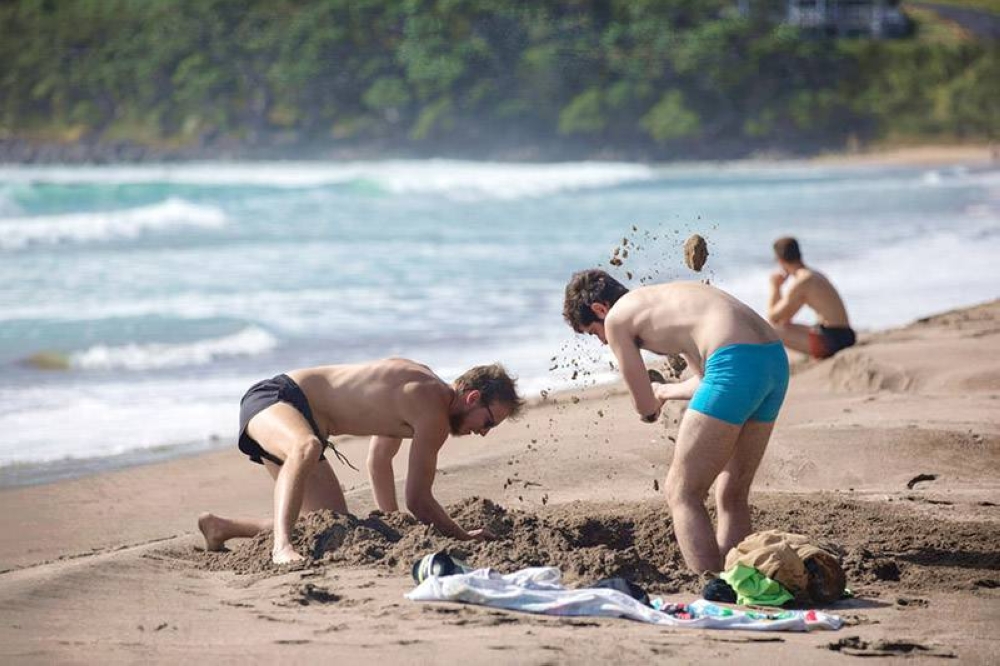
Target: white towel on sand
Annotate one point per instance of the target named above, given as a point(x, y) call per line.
point(538, 590)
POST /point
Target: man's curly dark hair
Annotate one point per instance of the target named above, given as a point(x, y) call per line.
point(586, 288)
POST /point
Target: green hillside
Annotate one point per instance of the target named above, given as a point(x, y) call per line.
point(657, 78)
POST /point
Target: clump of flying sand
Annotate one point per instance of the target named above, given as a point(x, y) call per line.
point(695, 252)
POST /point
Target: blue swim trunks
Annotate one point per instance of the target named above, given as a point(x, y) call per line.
point(745, 382)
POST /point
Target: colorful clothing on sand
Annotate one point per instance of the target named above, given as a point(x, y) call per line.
point(810, 573)
point(754, 588)
point(538, 590)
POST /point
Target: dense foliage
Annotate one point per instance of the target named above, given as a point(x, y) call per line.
point(660, 77)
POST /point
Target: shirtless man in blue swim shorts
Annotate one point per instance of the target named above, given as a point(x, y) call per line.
point(739, 382)
point(285, 423)
point(810, 288)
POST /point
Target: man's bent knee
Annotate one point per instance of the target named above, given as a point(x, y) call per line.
point(307, 450)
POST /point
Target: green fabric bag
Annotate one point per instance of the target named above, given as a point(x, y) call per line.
point(754, 588)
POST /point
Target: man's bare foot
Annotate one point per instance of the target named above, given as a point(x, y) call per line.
point(211, 528)
point(285, 555)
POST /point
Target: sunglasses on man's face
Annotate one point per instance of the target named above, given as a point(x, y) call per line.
point(492, 421)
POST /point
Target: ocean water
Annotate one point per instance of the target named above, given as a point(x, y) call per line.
point(139, 302)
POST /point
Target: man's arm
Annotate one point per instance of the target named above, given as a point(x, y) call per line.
point(684, 390)
point(430, 430)
point(633, 368)
point(427, 441)
point(781, 309)
point(380, 454)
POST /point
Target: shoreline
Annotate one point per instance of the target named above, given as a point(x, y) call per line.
point(918, 155)
point(15, 153)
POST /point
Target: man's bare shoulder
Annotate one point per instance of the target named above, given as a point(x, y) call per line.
point(416, 381)
point(424, 405)
point(640, 297)
point(659, 296)
point(805, 278)
point(815, 284)
point(405, 366)
point(622, 313)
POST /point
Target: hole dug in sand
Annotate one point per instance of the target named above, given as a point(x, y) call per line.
point(887, 548)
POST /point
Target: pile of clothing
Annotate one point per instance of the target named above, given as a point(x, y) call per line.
point(773, 568)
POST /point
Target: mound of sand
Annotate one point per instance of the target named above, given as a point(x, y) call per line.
point(853, 371)
point(880, 543)
point(585, 546)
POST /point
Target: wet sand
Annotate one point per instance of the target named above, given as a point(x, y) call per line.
point(890, 449)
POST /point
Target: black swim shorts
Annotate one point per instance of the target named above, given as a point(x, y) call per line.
point(825, 341)
point(262, 395)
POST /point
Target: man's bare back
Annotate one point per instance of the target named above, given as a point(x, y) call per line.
point(378, 398)
point(688, 318)
point(819, 294)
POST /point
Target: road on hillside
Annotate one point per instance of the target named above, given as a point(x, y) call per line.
point(982, 24)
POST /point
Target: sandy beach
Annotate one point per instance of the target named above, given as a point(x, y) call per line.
point(108, 568)
point(922, 155)
point(229, 232)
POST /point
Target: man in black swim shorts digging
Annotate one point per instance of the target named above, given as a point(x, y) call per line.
point(811, 288)
point(285, 423)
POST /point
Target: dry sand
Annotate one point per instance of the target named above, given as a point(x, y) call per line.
point(925, 155)
point(891, 449)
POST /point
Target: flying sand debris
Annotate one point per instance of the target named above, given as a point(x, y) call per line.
point(695, 252)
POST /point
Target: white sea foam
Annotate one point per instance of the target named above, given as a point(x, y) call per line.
point(250, 341)
point(105, 419)
point(16, 233)
point(83, 418)
point(465, 179)
point(450, 178)
point(764, 190)
point(293, 311)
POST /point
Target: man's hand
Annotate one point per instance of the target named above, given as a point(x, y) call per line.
point(662, 392)
point(676, 390)
point(778, 278)
point(482, 534)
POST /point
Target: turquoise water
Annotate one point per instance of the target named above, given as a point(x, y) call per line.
point(163, 292)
